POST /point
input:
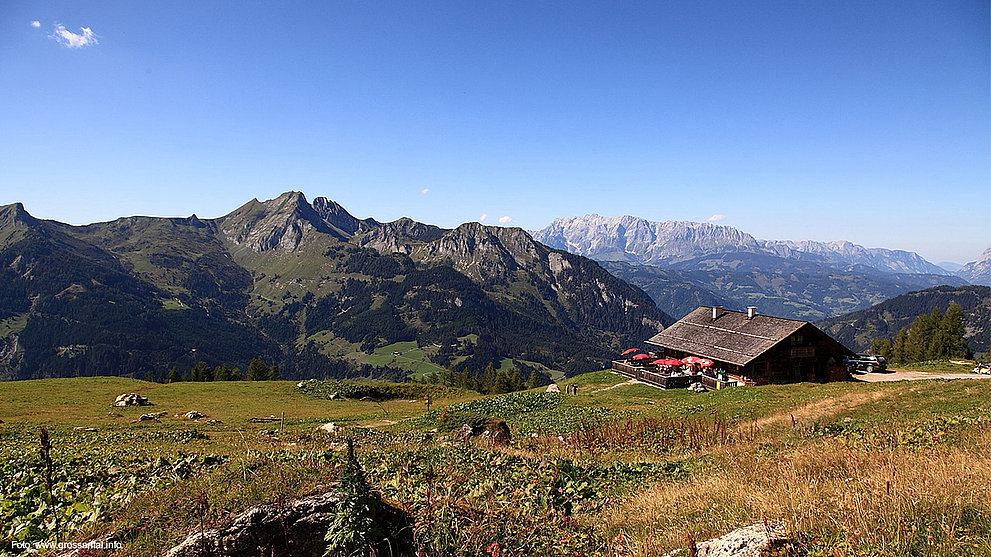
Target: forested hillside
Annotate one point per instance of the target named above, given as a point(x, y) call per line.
point(859, 329)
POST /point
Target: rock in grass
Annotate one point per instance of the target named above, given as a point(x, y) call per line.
point(497, 432)
point(153, 416)
point(193, 415)
point(329, 427)
point(757, 540)
point(131, 399)
point(553, 388)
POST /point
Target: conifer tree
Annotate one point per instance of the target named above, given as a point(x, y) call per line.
point(221, 373)
point(258, 370)
point(532, 382)
point(173, 376)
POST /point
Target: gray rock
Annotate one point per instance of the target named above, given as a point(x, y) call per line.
point(131, 399)
point(193, 415)
point(756, 540)
point(297, 529)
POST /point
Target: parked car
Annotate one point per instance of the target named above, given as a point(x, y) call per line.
point(867, 362)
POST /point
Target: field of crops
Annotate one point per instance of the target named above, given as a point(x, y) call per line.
point(618, 469)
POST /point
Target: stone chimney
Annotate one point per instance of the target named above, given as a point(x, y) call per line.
point(751, 312)
point(715, 311)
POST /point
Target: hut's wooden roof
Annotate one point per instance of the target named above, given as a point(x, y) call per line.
point(731, 337)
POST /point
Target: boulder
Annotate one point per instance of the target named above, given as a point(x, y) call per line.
point(83, 428)
point(329, 427)
point(496, 432)
point(153, 416)
point(292, 529)
point(131, 399)
point(553, 388)
point(757, 540)
point(193, 415)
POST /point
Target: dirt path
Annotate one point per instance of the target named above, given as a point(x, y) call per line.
point(902, 375)
point(625, 383)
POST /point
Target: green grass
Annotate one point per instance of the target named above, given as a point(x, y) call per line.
point(174, 304)
point(938, 366)
point(603, 476)
point(14, 324)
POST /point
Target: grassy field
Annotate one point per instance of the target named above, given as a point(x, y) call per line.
point(940, 366)
point(849, 469)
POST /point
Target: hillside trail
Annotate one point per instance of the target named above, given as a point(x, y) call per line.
point(905, 375)
point(623, 384)
point(826, 407)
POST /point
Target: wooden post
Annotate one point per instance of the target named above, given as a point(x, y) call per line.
point(283, 426)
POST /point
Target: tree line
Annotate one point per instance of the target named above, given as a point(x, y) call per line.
point(931, 336)
point(257, 370)
point(491, 381)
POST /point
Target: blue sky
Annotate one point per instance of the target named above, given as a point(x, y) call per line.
point(865, 121)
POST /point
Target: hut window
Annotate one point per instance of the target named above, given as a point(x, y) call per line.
point(797, 340)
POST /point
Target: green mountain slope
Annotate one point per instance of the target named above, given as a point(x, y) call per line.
point(858, 329)
point(303, 284)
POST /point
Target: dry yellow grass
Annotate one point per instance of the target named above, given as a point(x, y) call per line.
point(838, 499)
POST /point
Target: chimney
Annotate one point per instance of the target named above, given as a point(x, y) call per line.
point(751, 312)
point(715, 311)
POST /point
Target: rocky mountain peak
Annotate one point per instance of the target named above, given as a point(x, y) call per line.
point(336, 216)
point(275, 224)
point(978, 272)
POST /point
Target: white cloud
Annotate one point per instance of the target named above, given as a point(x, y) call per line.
point(69, 39)
point(506, 219)
point(36, 24)
point(715, 218)
point(424, 191)
point(483, 217)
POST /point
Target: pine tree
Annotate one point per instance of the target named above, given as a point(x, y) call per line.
point(898, 348)
point(221, 373)
point(882, 346)
point(532, 382)
point(173, 376)
point(236, 374)
point(273, 373)
point(953, 325)
point(258, 370)
point(202, 372)
point(150, 376)
point(489, 378)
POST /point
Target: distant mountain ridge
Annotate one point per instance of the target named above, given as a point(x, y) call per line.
point(977, 272)
point(306, 285)
point(858, 329)
point(686, 264)
point(639, 241)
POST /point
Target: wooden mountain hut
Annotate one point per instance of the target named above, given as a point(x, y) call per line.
point(751, 349)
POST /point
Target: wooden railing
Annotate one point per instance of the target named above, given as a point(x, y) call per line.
point(664, 381)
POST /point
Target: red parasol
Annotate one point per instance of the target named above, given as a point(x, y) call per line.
point(705, 363)
point(692, 360)
point(641, 356)
point(658, 362)
point(673, 362)
point(630, 350)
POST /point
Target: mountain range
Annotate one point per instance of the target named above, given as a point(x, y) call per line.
point(305, 285)
point(682, 264)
